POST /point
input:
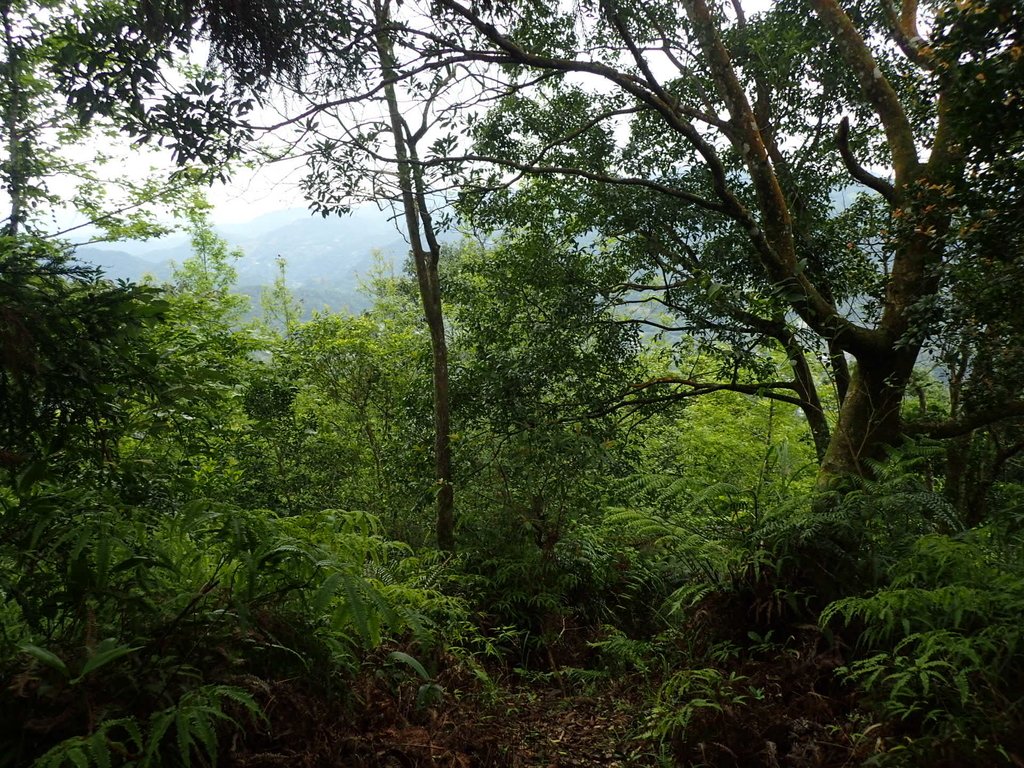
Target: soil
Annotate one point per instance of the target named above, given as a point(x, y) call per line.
point(798, 719)
point(514, 727)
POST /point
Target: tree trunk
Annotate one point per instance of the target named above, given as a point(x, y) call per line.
point(15, 109)
point(869, 419)
point(803, 377)
point(425, 257)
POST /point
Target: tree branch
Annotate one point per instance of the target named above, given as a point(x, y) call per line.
point(877, 90)
point(967, 423)
point(904, 32)
point(858, 172)
point(697, 389)
point(627, 181)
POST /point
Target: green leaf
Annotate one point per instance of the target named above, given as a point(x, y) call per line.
point(427, 694)
point(161, 722)
point(78, 757)
point(357, 607)
point(46, 657)
point(408, 660)
point(322, 597)
point(106, 652)
point(184, 733)
point(204, 731)
point(99, 749)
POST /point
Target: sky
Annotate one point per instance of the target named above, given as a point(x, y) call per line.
point(252, 193)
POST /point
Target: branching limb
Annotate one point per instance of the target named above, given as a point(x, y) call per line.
point(877, 89)
point(605, 178)
point(687, 388)
point(856, 170)
point(967, 423)
point(903, 26)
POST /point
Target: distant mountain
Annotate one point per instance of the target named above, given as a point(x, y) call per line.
point(326, 257)
point(122, 264)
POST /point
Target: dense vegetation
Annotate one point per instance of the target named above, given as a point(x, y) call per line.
point(701, 446)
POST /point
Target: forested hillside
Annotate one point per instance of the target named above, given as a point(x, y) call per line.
point(666, 458)
point(327, 258)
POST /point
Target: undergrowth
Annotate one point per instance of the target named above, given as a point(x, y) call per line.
point(920, 663)
point(137, 637)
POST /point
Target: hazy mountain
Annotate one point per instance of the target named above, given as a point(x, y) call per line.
point(326, 257)
point(122, 264)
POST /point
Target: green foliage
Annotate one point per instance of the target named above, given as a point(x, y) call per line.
point(944, 650)
point(691, 699)
point(203, 285)
point(75, 354)
point(620, 654)
point(191, 726)
point(705, 535)
point(337, 418)
point(140, 591)
point(271, 594)
point(533, 339)
point(191, 511)
point(282, 312)
point(194, 720)
point(109, 744)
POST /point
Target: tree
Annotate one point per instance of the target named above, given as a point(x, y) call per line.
point(426, 253)
point(76, 361)
point(705, 148)
point(50, 162)
point(740, 131)
point(282, 312)
point(364, 128)
point(204, 283)
point(73, 359)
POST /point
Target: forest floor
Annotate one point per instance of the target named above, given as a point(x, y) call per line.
point(519, 726)
point(797, 721)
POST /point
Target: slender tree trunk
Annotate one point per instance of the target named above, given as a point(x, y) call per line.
point(803, 377)
point(425, 256)
point(14, 115)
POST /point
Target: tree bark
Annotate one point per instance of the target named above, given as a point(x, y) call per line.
point(15, 113)
point(869, 419)
point(803, 378)
point(871, 394)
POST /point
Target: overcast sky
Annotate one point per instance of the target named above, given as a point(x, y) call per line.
point(253, 193)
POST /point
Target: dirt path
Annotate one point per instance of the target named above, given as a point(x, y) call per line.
point(521, 727)
point(546, 728)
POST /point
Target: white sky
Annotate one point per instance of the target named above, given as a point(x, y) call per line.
point(252, 193)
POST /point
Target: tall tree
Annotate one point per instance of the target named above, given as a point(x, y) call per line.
point(706, 146)
point(426, 253)
point(741, 131)
point(365, 128)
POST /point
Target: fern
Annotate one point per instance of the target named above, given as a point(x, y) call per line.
point(688, 698)
point(195, 720)
point(946, 644)
point(113, 742)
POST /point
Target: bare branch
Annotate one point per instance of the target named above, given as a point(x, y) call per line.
point(627, 181)
point(694, 388)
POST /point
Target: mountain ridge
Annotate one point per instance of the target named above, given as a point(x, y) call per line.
point(325, 256)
